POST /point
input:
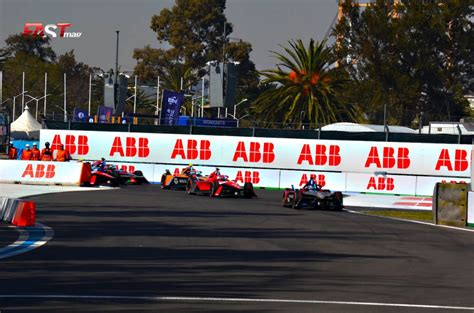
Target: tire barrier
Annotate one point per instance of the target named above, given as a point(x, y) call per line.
point(21, 213)
point(450, 204)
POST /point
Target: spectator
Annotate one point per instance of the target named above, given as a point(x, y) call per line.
point(46, 153)
point(63, 155)
point(35, 153)
point(27, 153)
point(12, 152)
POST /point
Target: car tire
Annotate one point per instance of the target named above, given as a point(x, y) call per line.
point(248, 190)
point(295, 205)
point(213, 189)
point(163, 180)
point(190, 187)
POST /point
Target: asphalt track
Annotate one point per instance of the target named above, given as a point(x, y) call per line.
point(143, 249)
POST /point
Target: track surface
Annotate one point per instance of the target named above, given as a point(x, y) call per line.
point(140, 242)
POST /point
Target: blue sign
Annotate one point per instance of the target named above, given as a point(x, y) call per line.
point(80, 115)
point(170, 107)
point(214, 122)
point(105, 114)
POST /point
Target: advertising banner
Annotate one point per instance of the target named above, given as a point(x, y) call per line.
point(80, 115)
point(170, 107)
point(37, 172)
point(384, 184)
point(105, 114)
point(375, 158)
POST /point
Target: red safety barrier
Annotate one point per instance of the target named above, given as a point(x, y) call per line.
point(25, 214)
point(85, 174)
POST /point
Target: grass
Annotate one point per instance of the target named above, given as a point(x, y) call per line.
point(425, 216)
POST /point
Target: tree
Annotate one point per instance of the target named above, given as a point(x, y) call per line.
point(35, 57)
point(194, 30)
point(32, 45)
point(413, 57)
point(306, 81)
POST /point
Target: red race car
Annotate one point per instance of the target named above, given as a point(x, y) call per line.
point(219, 186)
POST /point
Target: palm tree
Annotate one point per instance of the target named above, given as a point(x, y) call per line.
point(306, 83)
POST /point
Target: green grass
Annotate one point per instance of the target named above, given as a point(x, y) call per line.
point(425, 216)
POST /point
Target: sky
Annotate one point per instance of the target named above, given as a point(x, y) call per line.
point(265, 24)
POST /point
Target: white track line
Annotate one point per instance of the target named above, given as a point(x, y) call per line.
point(250, 300)
point(411, 221)
point(24, 243)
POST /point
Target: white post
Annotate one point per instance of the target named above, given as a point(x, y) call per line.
point(90, 95)
point(161, 106)
point(202, 97)
point(65, 114)
point(135, 97)
point(36, 112)
point(23, 93)
point(45, 91)
point(14, 108)
point(157, 99)
point(225, 112)
point(1, 87)
point(181, 84)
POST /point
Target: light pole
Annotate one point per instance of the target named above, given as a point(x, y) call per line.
point(37, 100)
point(235, 106)
point(14, 99)
point(116, 72)
point(238, 119)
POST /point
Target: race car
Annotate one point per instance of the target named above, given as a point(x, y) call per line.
point(170, 181)
point(312, 198)
point(219, 186)
point(110, 175)
point(100, 178)
point(126, 178)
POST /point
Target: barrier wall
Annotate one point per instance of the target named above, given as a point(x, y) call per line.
point(419, 159)
point(38, 172)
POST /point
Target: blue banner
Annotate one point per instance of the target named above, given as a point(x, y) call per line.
point(80, 115)
point(105, 114)
point(170, 107)
point(214, 122)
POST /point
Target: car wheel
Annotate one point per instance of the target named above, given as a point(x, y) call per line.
point(296, 203)
point(248, 190)
point(190, 187)
point(213, 189)
point(163, 180)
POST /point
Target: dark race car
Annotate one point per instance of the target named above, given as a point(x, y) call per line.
point(312, 198)
point(126, 178)
point(170, 181)
point(219, 186)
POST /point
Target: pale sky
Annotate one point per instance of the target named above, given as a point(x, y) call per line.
point(264, 23)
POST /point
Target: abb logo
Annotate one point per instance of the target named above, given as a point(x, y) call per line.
point(192, 152)
point(79, 146)
point(247, 177)
point(381, 183)
point(126, 168)
point(132, 148)
point(321, 155)
point(319, 179)
point(255, 152)
point(460, 160)
point(444, 181)
point(39, 171)
point(399, 160)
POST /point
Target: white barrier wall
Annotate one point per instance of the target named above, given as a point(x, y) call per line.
point(272, 153)
point(37, 172)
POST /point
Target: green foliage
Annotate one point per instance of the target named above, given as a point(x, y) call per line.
point(194, 32)
point(415, 56)
point(35, 57)
point(306, 82)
